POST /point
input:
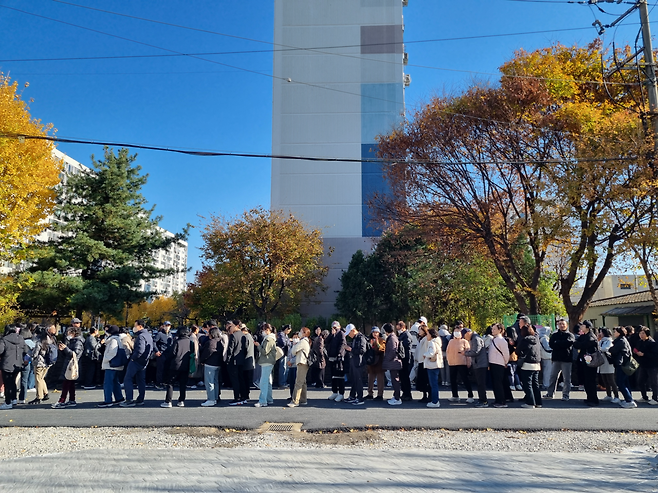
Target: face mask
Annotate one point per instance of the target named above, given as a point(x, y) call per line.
point(457, 334)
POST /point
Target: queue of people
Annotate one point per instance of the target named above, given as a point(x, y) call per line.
point(520, 357)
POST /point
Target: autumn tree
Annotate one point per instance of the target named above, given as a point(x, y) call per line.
point(106, 244)
point(536, 163)
point(264, 260)
point(29, 172)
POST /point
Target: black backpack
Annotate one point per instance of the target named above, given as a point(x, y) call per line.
point(401, 352)
point(312, 358)
point(370, 357)
point(50, 356)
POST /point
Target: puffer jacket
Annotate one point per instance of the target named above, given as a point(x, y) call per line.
point(433, 348)
point(391, 360)
point(620, 351)
point(561, 343)
point(111, 347)
point(359, 346)
point(456, 352)
point(528, 349)
point(586, 344)
point(477, 352)
point(12, 351)
point(74, 345)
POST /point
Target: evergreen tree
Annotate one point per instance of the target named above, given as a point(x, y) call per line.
point(107, 239)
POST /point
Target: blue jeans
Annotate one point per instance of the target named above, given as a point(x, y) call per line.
point(135, 370)
point(26, 373)
point(265, 385)
point(283, 372)
point(211, 381)
point(433, 376)
point(111, 386)
point(622, 383)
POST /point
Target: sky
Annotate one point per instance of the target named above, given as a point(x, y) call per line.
point(197, 76)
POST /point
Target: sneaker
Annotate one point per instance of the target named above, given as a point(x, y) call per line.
point(22, 401)
point(358, 402)
point(71, 404)
point(193, 387)
point(453, 399)
point(615, 400)
point(500, 406)
point(519, 387)
point(547, 396)
point(58, 405)
point(14, 402)
point(45, 397)
point(119, 401)
point(527, 406)
point(89, 388)
point(607, 398)
point(434, 405)
point(34, 402)
point(470, 400)
point(165, 404)
point(512, 387)
point(105, 404)
point(236, 403)
point(139, 403)
point(2, 395)
point(379, 398)
point(368, 397)
point(350, 400)
point(6, 406)
point(565, 398)
point(258, 404)
point(333, 396)
point(127, 404)
point(482, 404)
point(394, 402)
point(292, 404)
point(210, 403)
point(31, 390)
point(303, 403)
point(339, 398)
point(180, 404)
point(628, 405)
point(653, 402)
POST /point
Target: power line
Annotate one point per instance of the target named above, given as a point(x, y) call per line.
point(18, 136)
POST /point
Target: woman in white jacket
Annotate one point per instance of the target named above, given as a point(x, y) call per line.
point(607, 369)
point(301, 351)
point(422, 384)
point(112, 369)
point(433, 361)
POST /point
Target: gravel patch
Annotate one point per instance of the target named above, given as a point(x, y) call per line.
point(27, 442)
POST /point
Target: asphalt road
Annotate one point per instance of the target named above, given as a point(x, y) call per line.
point(322, 414)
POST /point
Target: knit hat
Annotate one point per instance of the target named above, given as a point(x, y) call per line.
point(375, 329)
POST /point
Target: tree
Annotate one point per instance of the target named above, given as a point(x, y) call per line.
point(264, 260)
point(29, 173)
point(106, 244)
point(536, 164)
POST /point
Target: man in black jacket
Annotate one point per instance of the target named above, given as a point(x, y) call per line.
point(12, 353)
point(407, 362)
point(139, 359)
point(235, 361)
point(646, 354)
point(162, 341)
point(90, 360)
point(357, 350)
point(561, 342)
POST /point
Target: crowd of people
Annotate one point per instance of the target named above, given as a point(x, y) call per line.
point(522, 357)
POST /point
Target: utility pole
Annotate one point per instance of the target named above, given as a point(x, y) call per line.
point(649, 70)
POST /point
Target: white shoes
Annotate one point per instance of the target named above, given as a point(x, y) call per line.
point(453, 399)
point(180, 404)
point(258, 404)
point(333, 396)
point(431, 404)
point(615, 400)
point(628, 405)
point(208, 403)
point(165, 404)
point(652, 402)
point(339, 398)
point(470, 400)
point(607, 398)
point(394, 402)
point(292, 404)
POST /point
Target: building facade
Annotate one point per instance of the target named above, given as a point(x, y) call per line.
point(338, 83)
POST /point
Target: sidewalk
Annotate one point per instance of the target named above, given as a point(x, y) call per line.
point(329, 471)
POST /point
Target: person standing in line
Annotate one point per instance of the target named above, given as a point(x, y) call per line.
point(320, 364)
point(211, 357)
point(235, 359)
point(91, 355)
point(457, 348)
point(283, 341)
point(422, 382)
point(546, 356)
point(139, 360)
point(607, 369)
point(529, 365)
point(375, 370)
point(432, 361)
point(249, 363)
point(498, 358)
point(111, 385)
point(648, 350)
point(73, 348)
point(587, 344)
point(300, 351)
point(561, 342)
point(162, 341)
point(356, 350)
point(12, 359)
point(393, 363)
point(27, 373)
point(336, 353)
point(178, 367)
point(620, 352)
point(445, 336)
point(41, 362)
point(479, 362)
point(407, 361)
point(266, 360)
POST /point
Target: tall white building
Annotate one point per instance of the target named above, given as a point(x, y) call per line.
point(338, 82)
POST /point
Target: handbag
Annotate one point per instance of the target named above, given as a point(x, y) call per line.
point(596, 359)
point(120, 359)
point(279, 353)
point(630, 367)
point(71, 372)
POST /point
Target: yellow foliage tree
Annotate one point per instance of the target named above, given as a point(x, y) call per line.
point(154, 312)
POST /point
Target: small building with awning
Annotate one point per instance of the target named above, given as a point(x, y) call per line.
point(628, 309)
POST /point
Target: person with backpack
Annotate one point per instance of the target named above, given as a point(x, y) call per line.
point(12, 353)
point(139, 360)
point(392, 361)
point(301, 352)
point(70, 352)
point(587, 344)
point(357, 350)
point(115, 357)
point(404, 340)
point(27, 373)
point(235, 361)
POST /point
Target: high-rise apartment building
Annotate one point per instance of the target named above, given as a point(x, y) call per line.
point(338, 83)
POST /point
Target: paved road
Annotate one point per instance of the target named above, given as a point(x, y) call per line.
point(329, 470)
point(322, 414)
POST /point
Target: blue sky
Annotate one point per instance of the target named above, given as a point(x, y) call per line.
point(198, 102)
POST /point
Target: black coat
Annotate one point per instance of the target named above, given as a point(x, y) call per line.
point(212, 352)
point(561, 342)
point(405, 339)
point(74, 345)
point(586, 344)
point(12, 351)
point(237, 349)
point(359, 347)
point(528, 349)
point(620, 351)
point(178, 355)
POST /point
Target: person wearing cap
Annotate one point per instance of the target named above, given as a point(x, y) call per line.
point(377, 344)
point(357, 362)
point(161, 342)
point(336, 354)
